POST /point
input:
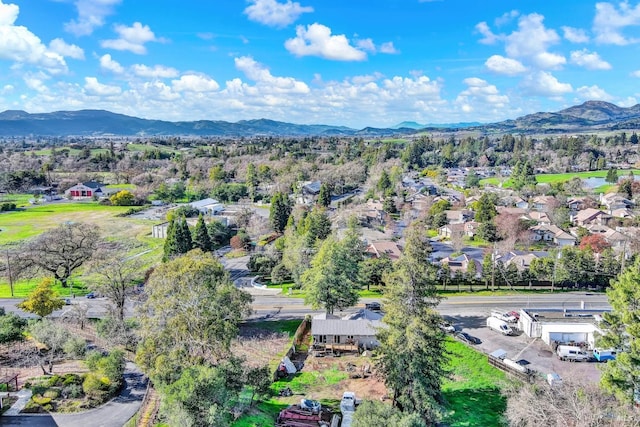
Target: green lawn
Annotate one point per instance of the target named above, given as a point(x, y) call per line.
point(20, 200)
point(560, 177)
point(20, 225)
point(283, 326)
point(473, 392)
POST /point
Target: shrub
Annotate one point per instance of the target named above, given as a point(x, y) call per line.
point(51, 394)
point(53, 381)
point(41, 400)
point(39, 389)
point(75, 347)
point(73, 391)
point(71, 379)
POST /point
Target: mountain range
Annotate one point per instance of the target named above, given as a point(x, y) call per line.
point(587, 117)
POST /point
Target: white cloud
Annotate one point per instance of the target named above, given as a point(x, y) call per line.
point(366, 44)
point(20, 45)
point(91, 14)
point(388, 47)
point(501, 65)
point(132, 38)
point(588, 93)
point(195, 83)
point(635, 73)
point(274, 14)
point(109, 64)
point(36, 82)
point(532, 40)
point(487, 35)
point(261, 75)
point(60, 47)
point(543, 83)
point(94, 88)
point(316, 40)
point(589, 60)
point(610, 21)
point(6, 89)
point(155, 72)
point(575, 35)
point(480, 95)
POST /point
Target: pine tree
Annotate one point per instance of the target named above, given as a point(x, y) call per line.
point(183, 237)
point(252, 181)
point(201, 239)
point(324, 198)
point(170, 242)
point(279, 211)
point(412, 346)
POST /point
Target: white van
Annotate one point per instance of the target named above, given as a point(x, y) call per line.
point(571, 353)
point(499, 325)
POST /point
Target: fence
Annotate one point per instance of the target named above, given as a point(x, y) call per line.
point(297, 341)
point(525, 374)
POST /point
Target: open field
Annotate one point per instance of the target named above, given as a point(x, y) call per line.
point(553, 178)
point(17, 226)
point(473, 392)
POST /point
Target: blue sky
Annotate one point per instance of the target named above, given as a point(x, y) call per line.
point(352, 63)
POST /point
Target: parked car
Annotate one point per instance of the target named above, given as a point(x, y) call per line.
point(469, 339)
point(447, 327)
point(373, 306)
point(67, 301)
point(506, 317)
point(514, 314)
point(604, 354)
point(572, 353)
point(91, 295)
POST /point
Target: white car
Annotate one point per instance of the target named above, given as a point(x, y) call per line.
point(504, 316)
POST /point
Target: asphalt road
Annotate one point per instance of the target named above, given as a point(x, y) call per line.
point(279, 306)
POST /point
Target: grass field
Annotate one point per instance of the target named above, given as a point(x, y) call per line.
point(17, 226)
point(559, 177)
point(473, 392)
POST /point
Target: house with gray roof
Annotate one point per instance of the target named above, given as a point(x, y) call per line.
point(339, 333)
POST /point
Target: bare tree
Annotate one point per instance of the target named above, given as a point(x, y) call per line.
point(60, 251)
point(114, 273)
point(457, 238)
point(574, 403)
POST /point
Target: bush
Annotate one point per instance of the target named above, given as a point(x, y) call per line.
point(71, 379)
point(75, 347)
point(41, 400)
point(51, 394)
point(72, 391)
point(7, 207)
point(53, 381)
point(95, 388)
point(39, 389)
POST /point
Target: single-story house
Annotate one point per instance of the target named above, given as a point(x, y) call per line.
point(87, 189)
point(360, 333)
point(543, 203)
point(449, 230)
point(208, 206)
point(460, 265)
point(388, 247)
point(522, 260)
point(552, 233)
point(615, 238)
point(539, 217)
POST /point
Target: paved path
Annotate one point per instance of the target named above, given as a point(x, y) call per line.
point(115, 413)
point(23, 397)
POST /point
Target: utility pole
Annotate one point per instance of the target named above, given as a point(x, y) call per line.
point(493, 268)
point(9, 272)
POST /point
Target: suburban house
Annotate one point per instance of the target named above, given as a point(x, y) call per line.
point(622, 213)
point(208, 206)
point(613, 201)
point(460, 265)
point(384, 247)
point(511, 211)
point(87, 189)
point(539, 217)
point(420, 202)
point(590, 216)
point(342, 334)
point(579, 203)
point(543, 203)
point(552, 233)
point(522, 260)
point(449, 230)
point(459, 216)
point(615, 238)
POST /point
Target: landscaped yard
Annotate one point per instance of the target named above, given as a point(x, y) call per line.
point(473, 392)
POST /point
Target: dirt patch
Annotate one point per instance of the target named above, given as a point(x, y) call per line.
point(259, 347)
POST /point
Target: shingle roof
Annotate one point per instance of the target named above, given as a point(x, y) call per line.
point(345, 327)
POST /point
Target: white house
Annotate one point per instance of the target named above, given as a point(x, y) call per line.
point(87, 189)
point(208, 206)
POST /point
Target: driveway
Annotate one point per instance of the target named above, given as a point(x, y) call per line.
point(115, 413)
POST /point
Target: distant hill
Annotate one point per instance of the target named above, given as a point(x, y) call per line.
point(414, 125)
point(590, 116)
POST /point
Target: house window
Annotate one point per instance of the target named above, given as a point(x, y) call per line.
point(336, 339)
point(322, 339)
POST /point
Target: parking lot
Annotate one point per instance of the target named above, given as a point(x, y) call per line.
point(534, 353)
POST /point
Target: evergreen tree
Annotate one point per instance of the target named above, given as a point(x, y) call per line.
point(412, 346)
point(183, 237)
point(170, 242)
point(622, 375)
point(201, 239)
point(612, 176)
point(324, 198)
point(384, 183)
point(279, 211)
point(485, 208)
point(252, 181)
